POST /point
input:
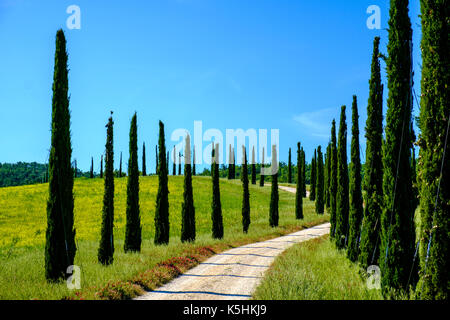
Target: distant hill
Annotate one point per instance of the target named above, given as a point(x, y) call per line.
point(22, 173)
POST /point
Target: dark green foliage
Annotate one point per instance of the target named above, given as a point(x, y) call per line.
point(261, 177)
point(120, 166)
point(328, 178)
point(216, 206)
point(356, 201)
point(156, 160)
point(179, 163)
point(101, 167)
point(319, 182)
point(342, 196)
point(167, 162)
point(162, 197)
point(273, 214)
point(174, 166)
point(144, 169)
point(373, 177)
point(246, 194)
point(304, 173)
point(253, 166)
point(23, 173)
point(133, 224)
point(312, 185)
point(298, 191)
point(106, 248)
point(397, 224)
point(333, 179)
point(91, 173)
point(187, 207)
point(193, 162)
point(434, 117)
point(60, 234)
point(289, 167)
point(229, 163)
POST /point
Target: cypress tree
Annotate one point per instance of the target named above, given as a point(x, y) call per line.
point(217, 222)
point(167, 161)
point(106, 249)
point(234, 166)
point(229, 163)
point(60, 234)
point(101, 167)
point(356, 201)
point(187, 208)
point(342, 196)
point(246, 193)
point(304, 172)
point(333, 179)
point(133, 224)
point(328, 178)
point(120, 166)
point(193, 162)
point(91, 173)
point(298, 190)
point(156, 160)
point(162, 197)
point(261, 177)
point(174, 167)
point(76, 170)
point(253, 166)
point(397, 224)
point(144, 170)
point(434, 152)
point(312, 183)
point(274, 215)
point(179, 163)
point(212, 160)
point(319, 182)
point(289, 167)
point(373, 176)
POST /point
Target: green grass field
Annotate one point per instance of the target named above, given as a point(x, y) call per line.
point(23, 225)
point(314, 270)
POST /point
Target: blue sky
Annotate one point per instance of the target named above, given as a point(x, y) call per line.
point(266, 64)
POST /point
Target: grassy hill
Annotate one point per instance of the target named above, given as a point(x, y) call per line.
point(23, 225)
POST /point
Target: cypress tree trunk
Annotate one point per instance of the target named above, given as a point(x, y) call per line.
point(373, 176)
point(174, 167)
point(397, 224)
point(217, 222)
point(253, 166)
point(162, 197)
point(261, 176)
point(106, 249)
point(298, 190)
point(312, 183)
point(434, 122)
point(274, 216)
point(187, 208)
point(304, 172)
point(342, 197)
point(91, 173)
point(333, 180)
point(246, 193)
point(356, 201)
point(144, 170)
point(101, 167)
point(319, 182)
point(60, 234)
point(133, 225)
point(289, 167)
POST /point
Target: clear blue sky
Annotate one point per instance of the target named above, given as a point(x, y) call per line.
point(266, 64)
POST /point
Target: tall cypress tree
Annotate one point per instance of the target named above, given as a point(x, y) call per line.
point(397, 223)
point(162, 197)
point(106, 248)
point(298, 190)
point(216, 215)
point(312, 183)
point(167, 161)
point(373, 176)
point(193, 162)
point(212, 159)
point(101, 166)
point(246, 193)
point(333, 179)
point(229, 163)
point(342, 197)
point(234, 166)
point(319, 182)
point(156, 160)
point(187, 208)
point(261, 176)
point(60, 234)
point(289, 167)
point(304, 172)
point(253, 166)
point(434, 157)
point(274, 215)
point(328, 178)
point(356, 201)
point(120, 166)
point(91, 172)
point(133, 225)
point(174, 167)
point(179, 163)
point(144, 170)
